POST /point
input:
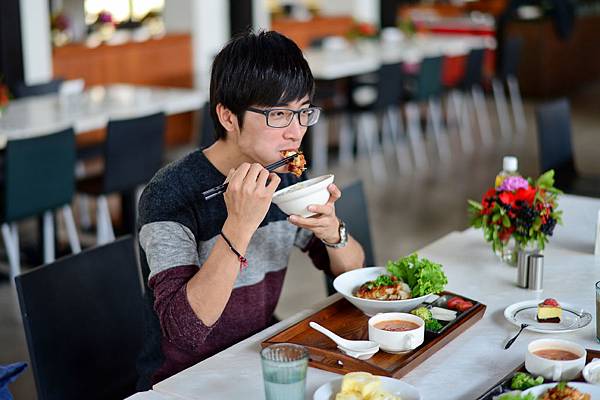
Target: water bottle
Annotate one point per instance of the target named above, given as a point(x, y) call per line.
point(509, 168)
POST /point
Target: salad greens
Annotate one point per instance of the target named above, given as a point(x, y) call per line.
point(423, 276)
point(382, 280)
point(523, 381)
point(433, 325)
point(516, 396)
point(422, 312)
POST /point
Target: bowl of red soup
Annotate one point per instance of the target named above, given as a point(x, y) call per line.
point(397, 332)
point(555, 359)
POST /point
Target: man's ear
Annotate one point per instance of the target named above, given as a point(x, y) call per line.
point(227, 118)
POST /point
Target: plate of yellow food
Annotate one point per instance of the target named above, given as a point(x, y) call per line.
point(365, 386)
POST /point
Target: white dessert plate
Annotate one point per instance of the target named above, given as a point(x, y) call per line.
point(525, 312)
point(328, 390)
point(592, 390)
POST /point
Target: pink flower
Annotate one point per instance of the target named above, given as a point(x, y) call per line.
point(513, 183)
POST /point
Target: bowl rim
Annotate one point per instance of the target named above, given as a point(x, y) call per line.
point(566, 343)
point(373, 301)
point(310, 183)
point(372, 323)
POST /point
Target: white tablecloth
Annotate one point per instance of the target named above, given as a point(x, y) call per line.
point(92, 109)
point(472, 362)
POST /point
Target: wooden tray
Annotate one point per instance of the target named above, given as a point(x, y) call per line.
point(349, 322)
point(503, 385)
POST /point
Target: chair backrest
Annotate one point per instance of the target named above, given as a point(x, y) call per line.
point(39, 174)
point(554, 136)
point(390, 78)
point(133, 151)
point(429, 82)
point(352, 209)
point(83, 322)
point(21, 89)
point(511, 55)
point(207, 128)
point(474, 68)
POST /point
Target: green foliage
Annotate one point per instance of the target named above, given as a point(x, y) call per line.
point(423, 276)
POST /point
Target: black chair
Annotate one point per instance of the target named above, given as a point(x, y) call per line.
point(352, 209)
point(82, 317)
point(133, 152)
point(556, 150)
point(471, 85)
point(21, 89)
point(507, 74)
point(426, 88)
point(386, 87)
point(39, 177)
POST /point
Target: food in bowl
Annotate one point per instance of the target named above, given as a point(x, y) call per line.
point(396, 325)
point(397, 332)
point(409, 277)
point(556, 354)
point(298, 165)
point(563, 391)
point(385, 287)
point(363, 385)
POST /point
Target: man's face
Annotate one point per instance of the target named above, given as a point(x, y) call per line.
point(263, 143)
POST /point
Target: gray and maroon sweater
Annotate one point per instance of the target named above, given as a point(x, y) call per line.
point(177, 231)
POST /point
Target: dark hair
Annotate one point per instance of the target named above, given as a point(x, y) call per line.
point(264, 69)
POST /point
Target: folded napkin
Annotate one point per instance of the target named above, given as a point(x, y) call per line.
point(8, 374)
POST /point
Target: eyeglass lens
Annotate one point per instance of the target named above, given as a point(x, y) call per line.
point(281, 118)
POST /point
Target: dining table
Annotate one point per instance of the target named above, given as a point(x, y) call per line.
point(92, 108)
point(468, 365)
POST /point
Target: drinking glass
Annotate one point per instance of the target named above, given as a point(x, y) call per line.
point(598, 311)
point(284, 371)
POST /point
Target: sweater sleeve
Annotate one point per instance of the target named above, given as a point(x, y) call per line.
point(179, 323)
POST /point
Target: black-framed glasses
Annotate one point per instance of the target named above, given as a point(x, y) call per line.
point(282, 117)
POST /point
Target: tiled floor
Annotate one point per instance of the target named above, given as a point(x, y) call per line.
point(406, 212)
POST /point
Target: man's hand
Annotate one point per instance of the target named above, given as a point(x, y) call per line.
point(325, 225)
point(248, 198)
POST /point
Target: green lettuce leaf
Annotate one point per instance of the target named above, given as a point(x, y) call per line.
point(423, 276)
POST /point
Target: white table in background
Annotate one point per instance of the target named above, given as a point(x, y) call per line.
point(92, 109)
point(367, 56)
point(466, 366)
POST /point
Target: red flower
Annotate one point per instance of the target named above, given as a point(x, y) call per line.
point(526, 195)
point(505, 234)
point(507, 198)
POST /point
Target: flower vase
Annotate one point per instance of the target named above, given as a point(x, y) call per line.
point(509, 252)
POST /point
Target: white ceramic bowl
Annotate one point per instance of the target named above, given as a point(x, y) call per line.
point(591, 372)
point(554, 370)
point(397, 341)
point(348, 283)
point(296, 198)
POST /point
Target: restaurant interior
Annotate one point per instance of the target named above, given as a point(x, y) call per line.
point(430, 112)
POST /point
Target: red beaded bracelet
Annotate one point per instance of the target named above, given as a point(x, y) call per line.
point(243, 260)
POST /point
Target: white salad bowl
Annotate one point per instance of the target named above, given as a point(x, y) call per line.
point(348, 283)
point(296, 198)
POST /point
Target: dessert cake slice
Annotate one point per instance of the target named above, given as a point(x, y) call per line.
point(549, 311)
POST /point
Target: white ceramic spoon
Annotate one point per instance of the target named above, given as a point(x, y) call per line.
point(361, 349)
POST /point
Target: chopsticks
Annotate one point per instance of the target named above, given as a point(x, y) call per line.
point(217, 190)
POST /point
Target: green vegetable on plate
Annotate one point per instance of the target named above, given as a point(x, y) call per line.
point(523, 381)
point(423, 313)
point(433, 325)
